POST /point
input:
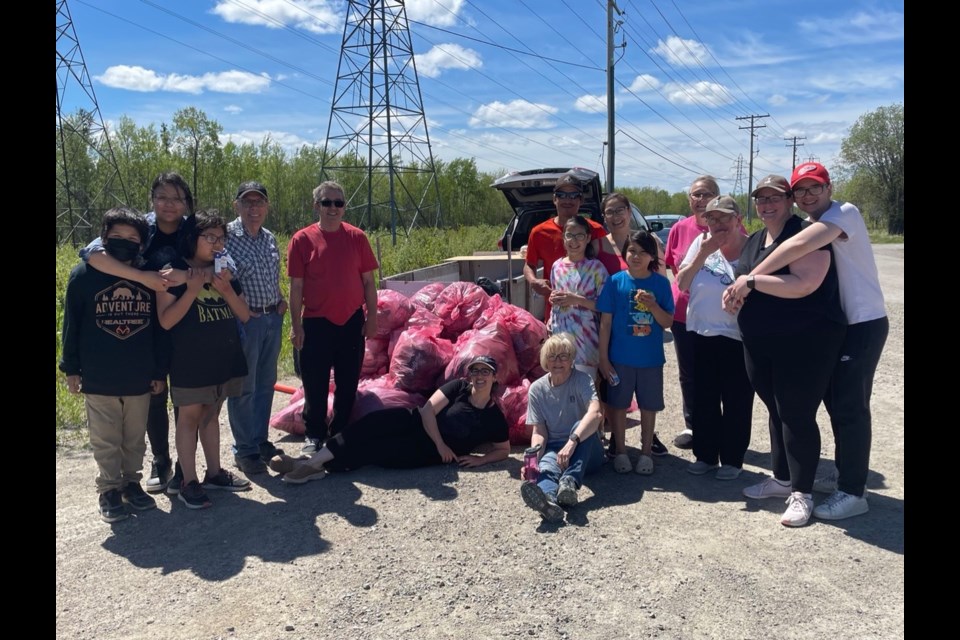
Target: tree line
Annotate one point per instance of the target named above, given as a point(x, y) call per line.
point(871, 175)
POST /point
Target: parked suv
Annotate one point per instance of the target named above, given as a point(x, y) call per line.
point(530, 194)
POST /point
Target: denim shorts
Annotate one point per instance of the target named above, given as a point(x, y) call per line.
point(646, 382)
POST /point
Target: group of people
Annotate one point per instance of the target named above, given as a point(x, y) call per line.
point(184, 296)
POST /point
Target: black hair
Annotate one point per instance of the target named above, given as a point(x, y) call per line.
point(124, 215)
point(176, 180)
point(194, 226)
point(613, 195)
point(646, 241)
point(582, 222)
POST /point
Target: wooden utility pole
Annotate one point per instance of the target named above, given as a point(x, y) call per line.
point(753, 125)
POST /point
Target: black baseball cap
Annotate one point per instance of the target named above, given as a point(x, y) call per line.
point(251, 185)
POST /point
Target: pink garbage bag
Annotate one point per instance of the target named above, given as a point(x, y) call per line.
point(393, 311)
point(459, 306)
point(419, 358)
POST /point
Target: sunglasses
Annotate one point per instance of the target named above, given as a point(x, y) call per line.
point(332, 203)
point(567, 195)
point(479, 371)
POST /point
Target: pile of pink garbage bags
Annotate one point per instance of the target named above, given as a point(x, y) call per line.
point(427, 339)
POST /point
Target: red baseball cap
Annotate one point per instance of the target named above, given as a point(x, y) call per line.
point(813, 170)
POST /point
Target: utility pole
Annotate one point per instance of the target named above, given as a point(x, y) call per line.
point(753, 125)
point(611, 121)
point(794, 144)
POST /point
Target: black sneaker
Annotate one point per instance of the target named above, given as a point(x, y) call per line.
point(250, 465)
point(268, 451)
point(192, 495)
point(111, 506)
point(684, 440)
point(226, 481)
point(160, 474)
point(173, 487)
point(136, 498)
point(658, 448)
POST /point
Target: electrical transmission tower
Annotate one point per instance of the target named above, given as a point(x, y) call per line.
point(738, 181)
point(377, 143)
point(88, 181)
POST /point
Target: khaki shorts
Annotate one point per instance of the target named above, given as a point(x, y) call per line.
point(213, 395)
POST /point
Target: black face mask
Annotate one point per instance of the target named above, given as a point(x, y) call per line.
point(122, 249)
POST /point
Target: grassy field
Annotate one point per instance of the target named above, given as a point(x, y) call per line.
point(423, 247)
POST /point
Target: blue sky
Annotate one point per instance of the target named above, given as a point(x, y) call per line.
point(521, 84)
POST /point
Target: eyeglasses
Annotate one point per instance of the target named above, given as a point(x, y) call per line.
point(166, 200)
point(559, 357)
point(619, 211)
point(575, 236)
point(332, 203)
point(703, 195)
point(771, 199)
point(813, 191)
point(480, 371)
point(567, 195)
point(724, 217)
point(249, 203)
point(214, 239)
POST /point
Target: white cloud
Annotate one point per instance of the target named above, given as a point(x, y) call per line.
point(856, 28)
point(232, 108)
point(644, 82)
point(317, 16)
point(591, 104)
point(440, 13)
point(517, 114)
point(136, 78)
point(777, 100)
point(682, 53)
point(289, 141)
point(446, 56)
point(709, 94)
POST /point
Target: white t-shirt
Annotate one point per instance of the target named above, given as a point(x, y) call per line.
point(860, 292)
point(705, 314)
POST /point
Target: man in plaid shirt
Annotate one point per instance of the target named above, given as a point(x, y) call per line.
point(254, 249)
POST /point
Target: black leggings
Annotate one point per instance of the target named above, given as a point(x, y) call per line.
point(392, 438)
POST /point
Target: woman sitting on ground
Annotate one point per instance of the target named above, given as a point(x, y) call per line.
point(458, 418)
point(564, 411)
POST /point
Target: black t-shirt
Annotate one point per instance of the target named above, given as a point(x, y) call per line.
point(206, 341)
point(163, 250)
point(464, 427)
point(766, 315)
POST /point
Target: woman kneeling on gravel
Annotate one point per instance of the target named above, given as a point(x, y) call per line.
point(564, 411)
point(458, 418)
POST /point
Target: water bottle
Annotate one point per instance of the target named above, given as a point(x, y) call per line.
point(614, 379)
point(219, 261)
point(530, 463)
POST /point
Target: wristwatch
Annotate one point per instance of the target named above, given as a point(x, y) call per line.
point(751, 282)
point(575, 438)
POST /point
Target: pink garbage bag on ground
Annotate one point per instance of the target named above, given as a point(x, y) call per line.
point(513, 402)
point(428, 294)
point(380, 393)
point(526, 332)
point(492, 340)
point(459, 306)
point(376, 357)
point(290, 418)
point(393, 311)
point(419, 358)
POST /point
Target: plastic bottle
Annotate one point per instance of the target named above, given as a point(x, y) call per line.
point(530, 461)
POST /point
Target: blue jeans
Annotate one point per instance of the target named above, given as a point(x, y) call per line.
point(250, 412)
point(586, 458)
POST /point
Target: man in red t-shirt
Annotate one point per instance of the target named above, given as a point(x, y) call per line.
point(331, 266)
point(545, 245)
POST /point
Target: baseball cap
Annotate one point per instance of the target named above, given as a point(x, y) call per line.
point(772, 181)
point(486, 361)
point(723, 204)
point(813, 170)
point(251, 185)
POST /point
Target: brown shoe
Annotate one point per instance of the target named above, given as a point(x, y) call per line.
point(283, 463)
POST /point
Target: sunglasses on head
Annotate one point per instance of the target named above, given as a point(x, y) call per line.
point(332, 203)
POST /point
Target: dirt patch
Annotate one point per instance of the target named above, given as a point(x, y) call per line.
point(447, 553)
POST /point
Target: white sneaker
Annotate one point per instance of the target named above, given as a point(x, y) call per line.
point(841, 505)
point(769, 488)
point(827, 482)
point(799, 508)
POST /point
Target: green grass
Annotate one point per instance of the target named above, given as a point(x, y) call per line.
point(424, 247)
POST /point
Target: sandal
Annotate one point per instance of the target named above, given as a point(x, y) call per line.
point(622, 464)
point(644, 465)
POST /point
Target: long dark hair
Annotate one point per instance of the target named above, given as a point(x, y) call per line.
point(174, 179)
point(646, 241)
point(581, 222)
